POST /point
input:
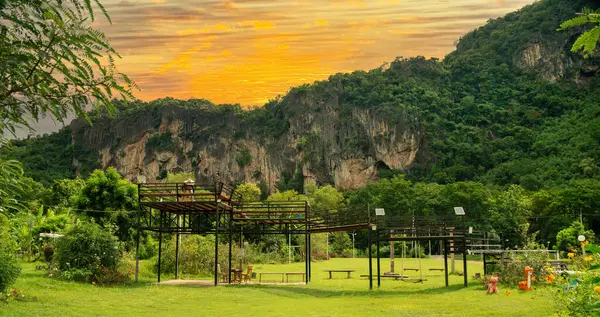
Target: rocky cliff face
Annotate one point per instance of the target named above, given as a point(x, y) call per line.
point(553, 60)
point(320, 143)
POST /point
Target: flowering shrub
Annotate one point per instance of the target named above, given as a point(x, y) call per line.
point(13, 294)
point(579, 290)
point(511, 271)
point(106, 276)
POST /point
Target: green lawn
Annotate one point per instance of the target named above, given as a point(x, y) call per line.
point(323, 297)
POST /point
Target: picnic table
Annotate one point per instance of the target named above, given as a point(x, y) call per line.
point(337, 271)
point(237, 275)
point(283, 274)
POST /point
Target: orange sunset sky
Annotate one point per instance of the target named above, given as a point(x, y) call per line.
point(249, 51)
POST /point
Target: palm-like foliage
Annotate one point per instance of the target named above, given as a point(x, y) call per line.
point(53, 62)
point(11, 184)
point(588, 41)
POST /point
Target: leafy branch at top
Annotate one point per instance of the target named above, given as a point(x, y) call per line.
point(52, 62)
point(588, 41)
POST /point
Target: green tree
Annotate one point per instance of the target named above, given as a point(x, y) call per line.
point(180, 177)
point(510, 212)
point(109, 199)
point(587, 41)
point(341, 243)
point(53, 61)
point(249, 192)
point(64, 189)
point(566, 239)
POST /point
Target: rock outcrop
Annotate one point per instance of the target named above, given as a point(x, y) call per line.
point(321, 144)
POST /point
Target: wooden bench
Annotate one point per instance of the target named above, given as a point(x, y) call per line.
point(406, 269)
point(260, 274)
point(337, 271)
point(287, 275)
point(434, 269)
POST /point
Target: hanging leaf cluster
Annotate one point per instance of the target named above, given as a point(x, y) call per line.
point(52, 62)
point(588, 41)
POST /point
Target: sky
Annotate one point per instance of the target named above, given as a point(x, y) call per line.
point(250, 51)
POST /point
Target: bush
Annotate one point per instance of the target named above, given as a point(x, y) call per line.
point(9, 266)
point(512, 271)
point(148, 248)
point(197, 254)
point(86, 249)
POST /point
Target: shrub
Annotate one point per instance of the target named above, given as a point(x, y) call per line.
point(85, 249)
point(244, 157)
point(9, 266)
point(197, 253)
point(161, 143)
point(512, 271)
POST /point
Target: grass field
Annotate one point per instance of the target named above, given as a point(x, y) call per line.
point(322, 297)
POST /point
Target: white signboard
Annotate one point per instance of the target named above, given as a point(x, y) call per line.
point(379, 212)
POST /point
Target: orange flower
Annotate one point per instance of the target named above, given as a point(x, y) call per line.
point(507, 293)
point(550, 278)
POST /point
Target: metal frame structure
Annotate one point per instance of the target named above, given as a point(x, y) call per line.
point(190, 208)
point(450, 230)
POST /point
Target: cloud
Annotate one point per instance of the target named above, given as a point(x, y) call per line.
point(255, 49)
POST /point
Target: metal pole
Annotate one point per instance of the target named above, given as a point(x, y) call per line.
point(177, 251)
point(484, 264)
point(159, 242)
point(327, 247)
point(137, 243)
point(309, 258)
point(230, 244)
point(217, 247)
point(353, 248)
point(465, 261)
point(446, 260)
point(306, 256)
point(378, 260)
point(370, 259)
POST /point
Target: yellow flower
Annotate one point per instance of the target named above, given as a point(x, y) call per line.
point(597, 289)
point(571, 255)
point(548, 269)
point(587, 258)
